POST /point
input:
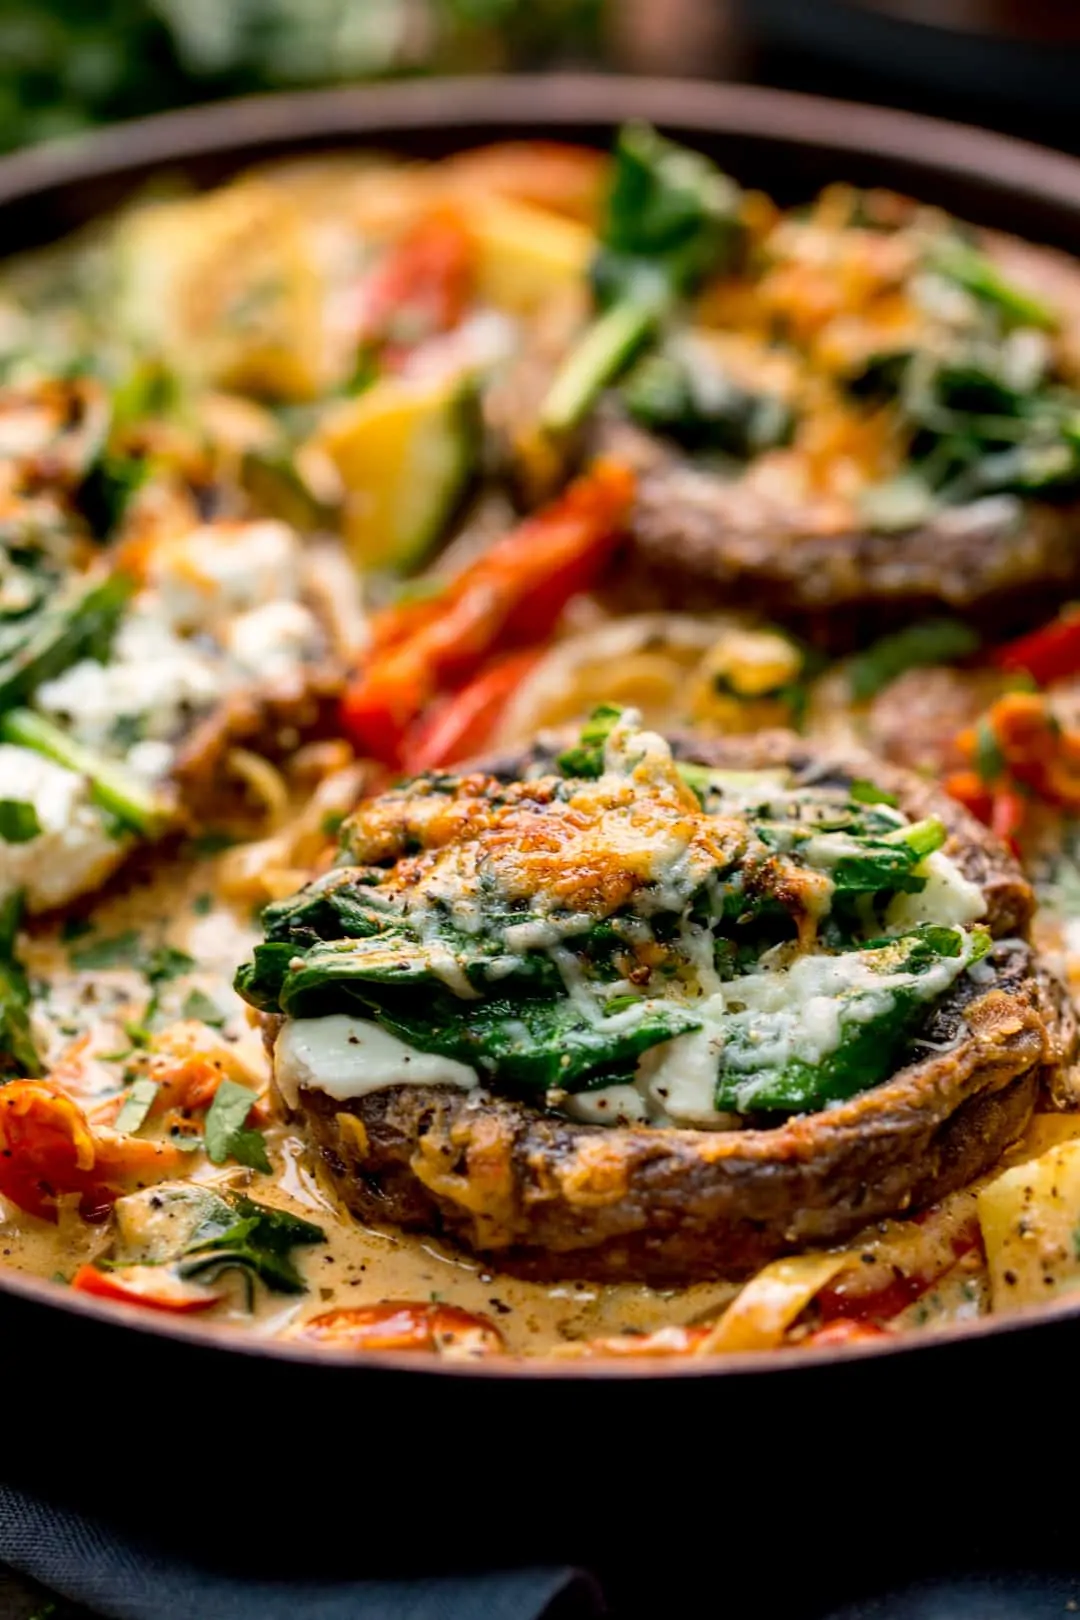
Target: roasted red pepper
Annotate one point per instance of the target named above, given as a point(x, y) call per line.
point(1048, 654)
point(460, 724)
point(155, 1288)
point(513, 595)
point(405, 1325)
point(421, 286)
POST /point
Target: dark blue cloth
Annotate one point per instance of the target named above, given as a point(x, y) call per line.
point(90, 1562)
point(121, 1577)
point(1015, 1596)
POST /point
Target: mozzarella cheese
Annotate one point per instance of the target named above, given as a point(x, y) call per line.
point(350, 1057)
point(949, 898)
point(74, 852)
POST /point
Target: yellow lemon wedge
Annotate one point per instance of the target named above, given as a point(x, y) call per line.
point(404, 451)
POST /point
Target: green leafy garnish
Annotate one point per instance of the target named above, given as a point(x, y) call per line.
point(137, 1104)
point(932, 641)
point(866, 792)
point(587, 757)
point(116, 950)
point(18, 1052)
point(197, 1004)
point(166, 962)
point(672, 218)
point(977, 273)
point(18, 821)
point(126, 797)
point(875, 1026)
point(227, 1134)
point(251, 1238)
point(59, 636)
point(704, 412)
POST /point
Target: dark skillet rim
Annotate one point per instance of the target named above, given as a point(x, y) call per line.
point(553, 102)
point(556, 102)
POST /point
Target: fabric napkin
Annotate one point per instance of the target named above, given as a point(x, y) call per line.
point(90, 1562)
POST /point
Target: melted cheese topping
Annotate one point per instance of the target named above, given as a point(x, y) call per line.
point(350, 1057)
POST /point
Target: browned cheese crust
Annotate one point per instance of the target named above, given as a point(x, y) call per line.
point(542, 1195)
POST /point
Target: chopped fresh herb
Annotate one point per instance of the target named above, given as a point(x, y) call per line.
point(212, 842)
point(331, 823)
point(978, 274)
point(60, 635)
point(75, 928)
point(672, 217)
point(865, 792)
point(933, 641)
point(227, 1134)
point(202, 905)
point(166, 962)
point(703, 409)
point(989, 759)
point(137, 1104)
point(252, 1238)
point(197, 1004)
point(18, 1052)
point(116, 950)
point(135, 807)
point(18, 821)
point(587, 758)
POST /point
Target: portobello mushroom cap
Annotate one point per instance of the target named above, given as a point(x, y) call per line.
point(696, 537)
point(547, 1197)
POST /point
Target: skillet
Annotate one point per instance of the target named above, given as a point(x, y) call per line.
point(491, 1461)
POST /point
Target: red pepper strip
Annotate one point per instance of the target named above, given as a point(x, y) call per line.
point(422, 285)
point(459, 725)
point(972, 792)
point(404, 1325)
point(512, 595)
point(1048, 654)
point(843, 1300)
point(152, 1286)
point(836, 1335)
point(1007, 815)
point(1001, 808)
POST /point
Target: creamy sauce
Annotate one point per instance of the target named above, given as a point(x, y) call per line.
point(357, 1265)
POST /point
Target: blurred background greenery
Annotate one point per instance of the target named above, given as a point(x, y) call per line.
point(66, 64)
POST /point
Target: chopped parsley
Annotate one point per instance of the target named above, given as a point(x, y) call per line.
point(238, 1234)
point(18, 821)
point(865, 792)
point(137, 1105)
point(227, 1134)
point(197, 1004)
point(115, 950)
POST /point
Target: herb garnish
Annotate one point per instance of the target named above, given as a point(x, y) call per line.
point(18, 1053)
point(137, 1104)
point(241, 1235)
point(197, 1004)
point(19, 821)
point(227, 1134)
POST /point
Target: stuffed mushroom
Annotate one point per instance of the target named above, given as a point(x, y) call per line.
point(631, 1010)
